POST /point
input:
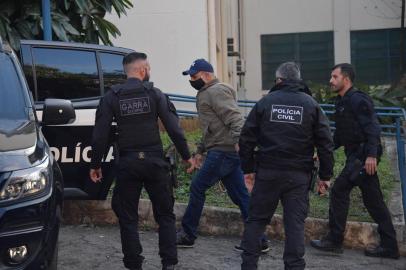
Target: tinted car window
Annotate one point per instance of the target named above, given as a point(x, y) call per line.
point(112, 68)
point(12, 100)
point(26, 60)
point(66, 74)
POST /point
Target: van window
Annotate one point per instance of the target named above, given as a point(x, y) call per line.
point(66, 74)
point(112, 68)
point(12, 102)
point(26, 60)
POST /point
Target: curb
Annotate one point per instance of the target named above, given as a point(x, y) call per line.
point(227, 222)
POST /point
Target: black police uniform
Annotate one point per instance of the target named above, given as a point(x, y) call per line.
point(301, 86)
point(285, 125)
point(136, 106)
point(358, 130)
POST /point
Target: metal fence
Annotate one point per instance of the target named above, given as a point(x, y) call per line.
point(390, 120)
point(400, 141)
point(387, 115)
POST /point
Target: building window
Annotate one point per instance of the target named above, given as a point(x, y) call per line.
point(314, 52)
point(66, 74)
point(376, 55)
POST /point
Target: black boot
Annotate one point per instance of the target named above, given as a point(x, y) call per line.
point(325, 244)
point(382, 252)
point(183, 240)
point(264, 247)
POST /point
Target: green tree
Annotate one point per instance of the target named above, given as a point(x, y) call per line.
point(381, 95)
point(72, 20)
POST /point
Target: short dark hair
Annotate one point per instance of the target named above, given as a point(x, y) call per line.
point(347, 70)
point(288, 71)
point(134, 56)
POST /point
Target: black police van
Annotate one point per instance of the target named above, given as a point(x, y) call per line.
point(80, 73)
point(31, 186)
point(44, 146)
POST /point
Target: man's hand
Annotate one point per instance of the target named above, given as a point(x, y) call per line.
point(198, 158)
point(96, 175)
point(322, 187)
point(237, 147)
point(192, 164)
point(370, 165)
point(249, 180)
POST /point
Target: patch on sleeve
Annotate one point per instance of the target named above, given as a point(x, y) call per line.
point(134, 106)
point(287, 114)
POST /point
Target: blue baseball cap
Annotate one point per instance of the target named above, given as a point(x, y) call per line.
point(199, 65)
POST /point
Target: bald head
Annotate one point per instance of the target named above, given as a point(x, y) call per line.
point(136, 66)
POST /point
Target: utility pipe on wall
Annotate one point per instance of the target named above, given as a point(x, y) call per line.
point(211, 20)
point(46, 19)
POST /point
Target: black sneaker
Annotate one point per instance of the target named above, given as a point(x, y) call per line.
point(382, 252)
point(183, 240)
point(327, 245)
point(264, 247)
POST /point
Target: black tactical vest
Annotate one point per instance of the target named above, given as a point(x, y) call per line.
point(348, 130)
point(137, 118)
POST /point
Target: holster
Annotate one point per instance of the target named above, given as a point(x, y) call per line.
point(116, 150)
point(354, 169)
point(314, 174)
point(170, 156)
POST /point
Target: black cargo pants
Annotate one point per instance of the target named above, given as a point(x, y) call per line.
point(292, 188)
point(137, 170)
point(373, 201)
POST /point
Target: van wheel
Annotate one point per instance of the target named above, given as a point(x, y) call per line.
point(53, 264)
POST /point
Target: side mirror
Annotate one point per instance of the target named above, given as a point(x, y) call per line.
point(58, 112)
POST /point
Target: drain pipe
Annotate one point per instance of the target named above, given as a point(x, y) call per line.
point(211, 21)
point(46, 19)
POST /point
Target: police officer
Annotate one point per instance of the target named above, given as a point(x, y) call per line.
point(136, 106)
point(285, 125)
point(358, 130)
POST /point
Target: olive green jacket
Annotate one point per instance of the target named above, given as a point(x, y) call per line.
point(220, 118)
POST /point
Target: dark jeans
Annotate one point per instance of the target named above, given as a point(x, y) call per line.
point(224, 166)
point(373, 201)
point(153, 174)
point(292, 188)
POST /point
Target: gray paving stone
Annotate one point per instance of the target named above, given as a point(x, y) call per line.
point(98, 248)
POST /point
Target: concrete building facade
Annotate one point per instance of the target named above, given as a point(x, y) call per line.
point(246, 39)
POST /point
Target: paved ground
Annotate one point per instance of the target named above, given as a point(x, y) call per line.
point(98, 248)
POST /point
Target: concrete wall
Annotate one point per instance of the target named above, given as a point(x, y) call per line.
point(367, 14)
point(176, 32)
point(293, 16)
point(172, 33)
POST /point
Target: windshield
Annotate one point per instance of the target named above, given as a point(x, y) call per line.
point(12, 99)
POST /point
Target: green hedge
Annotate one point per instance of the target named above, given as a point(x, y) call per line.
point(216, 196)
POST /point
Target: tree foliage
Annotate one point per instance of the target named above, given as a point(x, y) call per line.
point(381, 95)
point(72, 20)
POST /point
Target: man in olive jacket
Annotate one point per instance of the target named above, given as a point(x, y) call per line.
point(221, 122)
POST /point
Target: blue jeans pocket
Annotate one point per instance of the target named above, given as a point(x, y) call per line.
point(214, 160)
